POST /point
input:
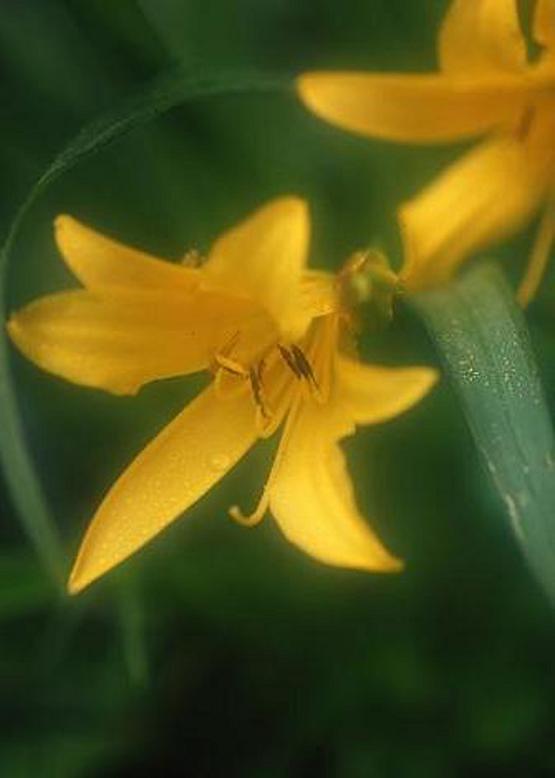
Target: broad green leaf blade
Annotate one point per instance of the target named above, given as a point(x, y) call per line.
point(482, 336)
point(171, 89)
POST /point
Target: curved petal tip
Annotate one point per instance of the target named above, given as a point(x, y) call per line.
point(313, 88)
point(291, 210)
point(77, 582)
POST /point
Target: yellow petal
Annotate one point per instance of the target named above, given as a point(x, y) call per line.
point(412, 108)
point(121, 342)
point(544, 23)
point(176, 468)
point(263, 258)
point(311, 496)
point(100, 262)
point(373, 394)
point(319, 294)
point(487, 195)
point(482, 36)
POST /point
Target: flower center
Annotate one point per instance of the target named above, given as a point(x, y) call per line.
point(264, 375)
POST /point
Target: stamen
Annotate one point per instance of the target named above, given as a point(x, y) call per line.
point(289, 360)
point(231, 366)
point(525, 123)
point(222, 364)
point(218, 374)
point(255, 377)
point(254, 518)
point(265, 423)
point(256, 387)
point(250, 519)
point(303, 365)
point(229, 344)
point(296, 360)
point(261, 369)
point(539, 257)
point(220, 358)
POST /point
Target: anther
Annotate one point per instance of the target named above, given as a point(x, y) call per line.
point(255, 377)
point(230, 344)
point(290, 361)
point(303, 365)
point(222, 359)
point(525, 123)
point(230, 366)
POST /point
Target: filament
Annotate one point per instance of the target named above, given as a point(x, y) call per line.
point(539, 257)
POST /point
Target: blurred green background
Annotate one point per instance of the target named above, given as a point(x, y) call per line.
point(219, 650)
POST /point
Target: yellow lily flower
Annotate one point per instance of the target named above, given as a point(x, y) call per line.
point(486, 85)
point(271, 333)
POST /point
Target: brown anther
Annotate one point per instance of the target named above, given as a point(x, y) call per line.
point(290, 361)
point(229, 345)
point(525, 123)
point(261, 369)
point(303, 365)
point(221, 359)
point(255, 377)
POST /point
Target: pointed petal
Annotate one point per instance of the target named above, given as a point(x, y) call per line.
point(373, 394)
point(263, 258)
point(178, 467)
point(100, 262)
point(412, 108)
point(543, 24)
point(311, 496)
point(478, 37)
point(488, 194)
point(120, 343)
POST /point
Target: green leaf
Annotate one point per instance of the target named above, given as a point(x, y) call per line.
point(482, 336)
point(169, 90)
